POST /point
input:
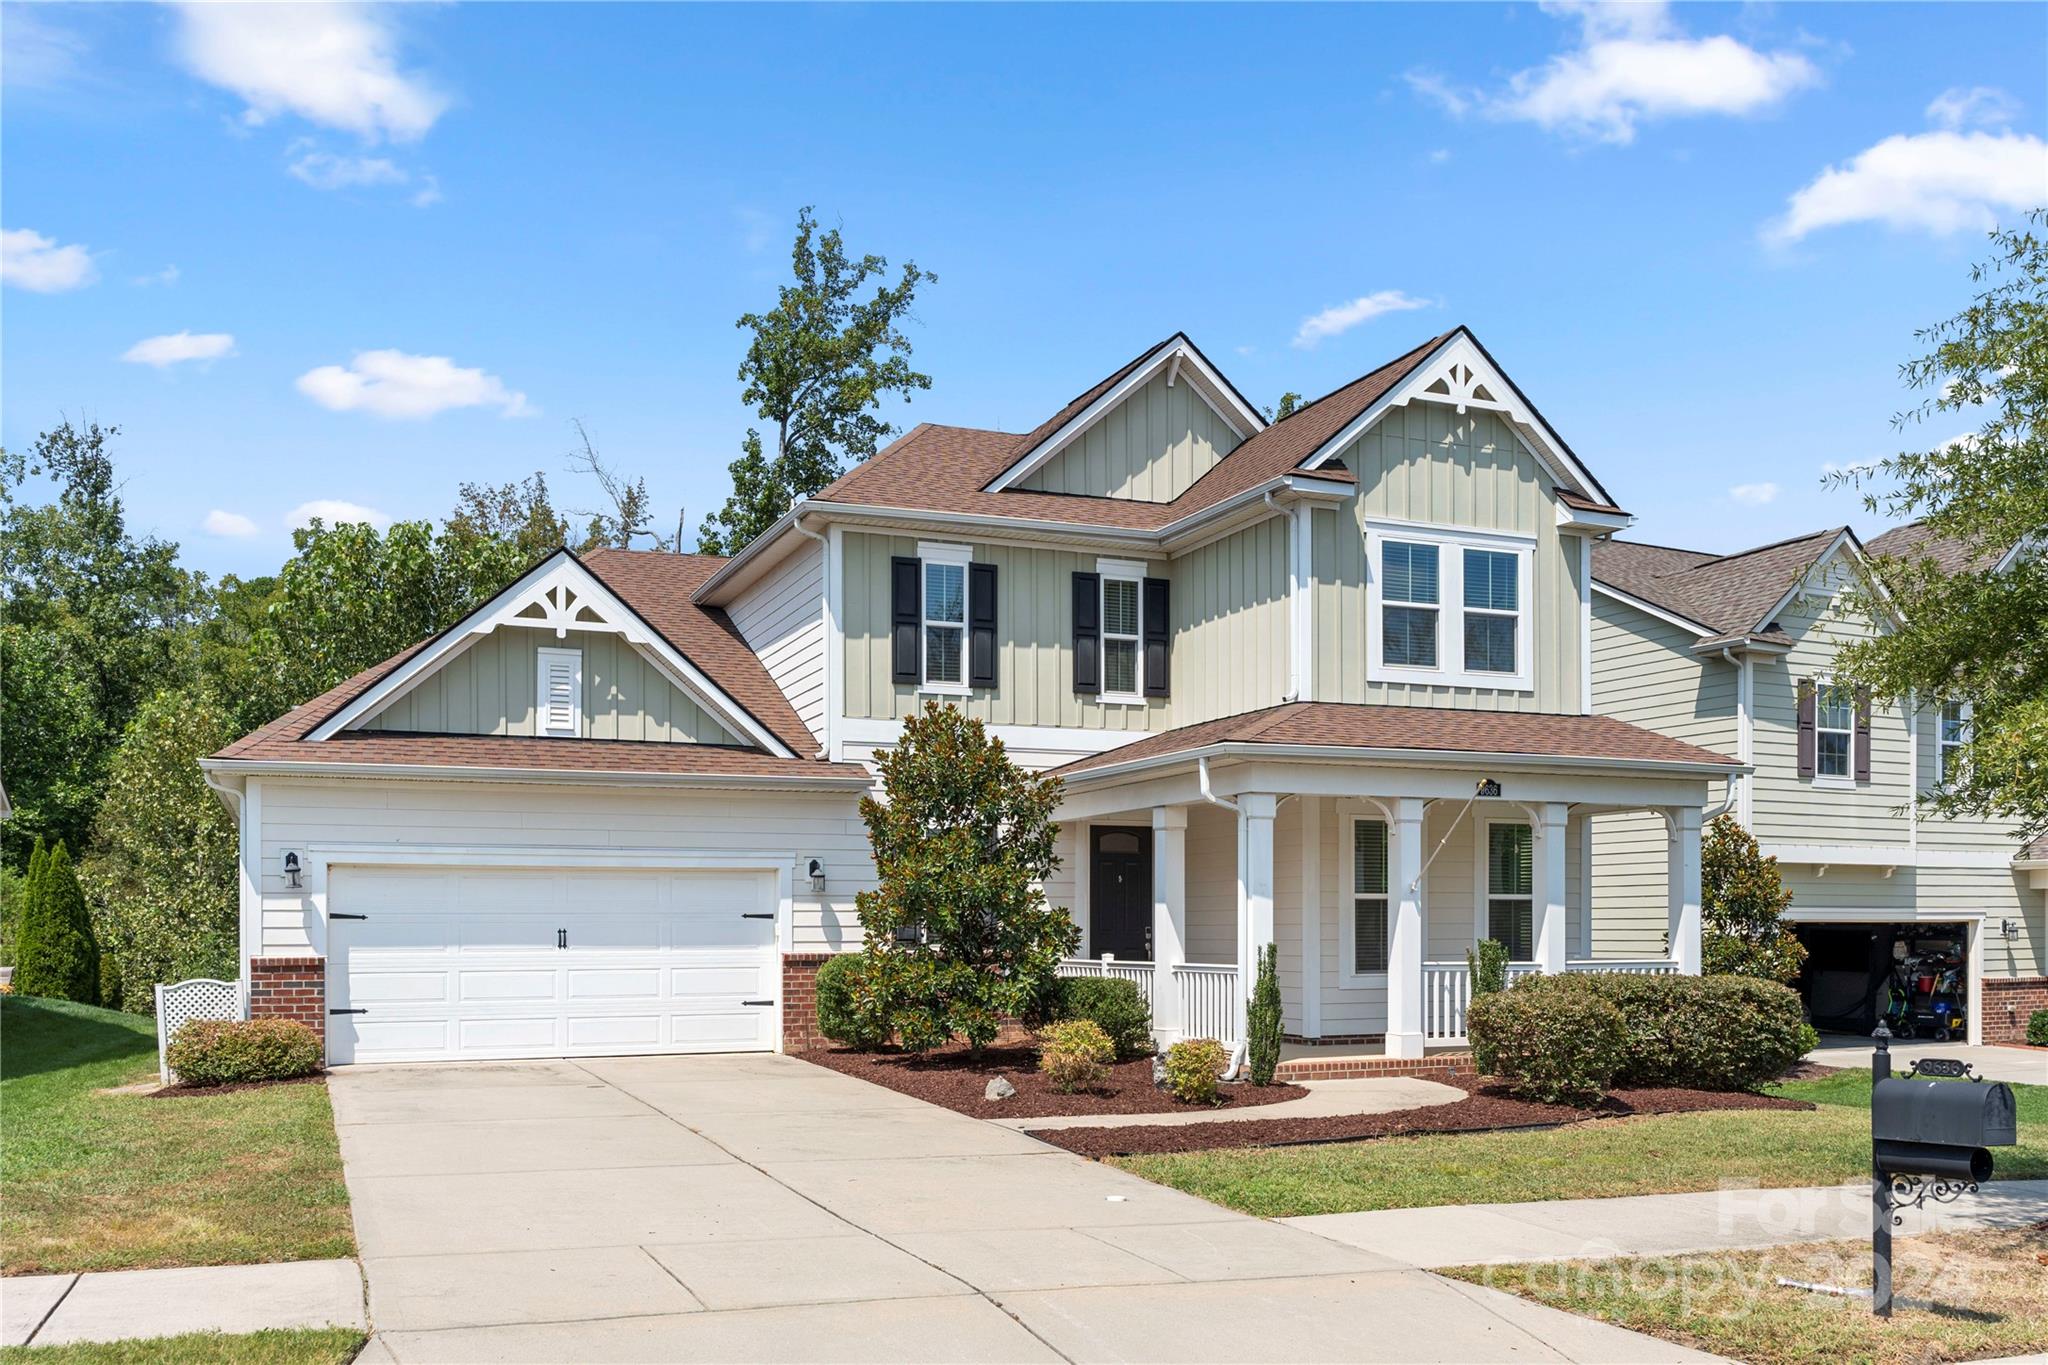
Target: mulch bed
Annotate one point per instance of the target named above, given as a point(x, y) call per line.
point(953, 1078)
point(1486, 1106)
point(182, 1091)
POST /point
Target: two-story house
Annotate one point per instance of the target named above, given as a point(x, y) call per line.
point(1734, 653)
point(1327, 682)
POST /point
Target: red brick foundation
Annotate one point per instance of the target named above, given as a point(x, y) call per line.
point(2006, 1002)
point(800, 1001)
point(289, 988)
point(1347, 1068)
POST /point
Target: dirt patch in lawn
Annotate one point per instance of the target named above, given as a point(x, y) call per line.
point(180, 1090)
point(954, 1078)
point(1485, 1106)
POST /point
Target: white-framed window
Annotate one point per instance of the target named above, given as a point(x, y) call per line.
point(945, 616)
point(558, 699)
point(1449, 606)
point(1834, 733)
point(1509, 882)
point(1371, 931)
point(1951, 740)
point(1123, 618)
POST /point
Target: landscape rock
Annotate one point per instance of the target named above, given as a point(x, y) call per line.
point(999, 1089)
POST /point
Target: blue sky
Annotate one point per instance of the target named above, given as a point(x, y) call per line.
point(401, 248)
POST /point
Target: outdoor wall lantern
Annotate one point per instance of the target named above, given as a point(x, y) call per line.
point(291, 872)
point(816, 872)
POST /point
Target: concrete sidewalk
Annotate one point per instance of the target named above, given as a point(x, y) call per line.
point(1656, 1224)
point(2016, 1065)
point(1325, 1099)
point(126, 1305)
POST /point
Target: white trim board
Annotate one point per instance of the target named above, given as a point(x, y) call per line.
point(1055, 738)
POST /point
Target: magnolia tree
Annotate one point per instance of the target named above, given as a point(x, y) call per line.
point(959, 934)
point(1742, 901)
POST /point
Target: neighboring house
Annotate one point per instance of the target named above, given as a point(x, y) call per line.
point(1326, 682)
point(1734, 652)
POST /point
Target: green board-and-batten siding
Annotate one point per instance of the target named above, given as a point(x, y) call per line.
point(1150, 448)
point(491, 689)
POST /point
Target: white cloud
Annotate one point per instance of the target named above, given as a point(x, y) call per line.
point(1342, 317)
point(29, 260)
point(395, 384)
point(335, 512)
point(167, 276)
point(1632, 64)
point(1754, 494)
point(233, 525)
point(334, 64)
point(165, 351)
point(326, 171)
point(1982, 106)
point(429, 192)
point(35, 55)
point(1940, 182)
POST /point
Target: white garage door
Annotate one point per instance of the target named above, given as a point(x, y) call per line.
point(449, 963)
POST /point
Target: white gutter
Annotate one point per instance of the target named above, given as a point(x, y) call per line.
point(432, 772)
point(1407, 757)
point(1209, 795)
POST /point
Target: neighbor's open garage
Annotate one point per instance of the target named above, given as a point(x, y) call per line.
point(1914, 976)
point(448, 963)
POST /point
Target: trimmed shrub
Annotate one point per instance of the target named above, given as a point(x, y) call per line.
point(1487, 962)
point(1551, 1045)
point(225, 1051)
point(838, 997)
point(2037, 1028)
point(1809, 1038)
point(1193, 1067)
point(1262, 1019)
point(1075, 1055)
point(1112, 1004)
point(1699, 1032)
point(56, 956)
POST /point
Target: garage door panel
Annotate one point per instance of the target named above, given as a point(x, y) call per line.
point(461, 963)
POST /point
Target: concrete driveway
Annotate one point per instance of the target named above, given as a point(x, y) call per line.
point(760, 1208)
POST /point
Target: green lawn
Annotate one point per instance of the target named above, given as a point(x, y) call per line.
point(1660, 1154)
point(303, 1346)
point(100, 1181)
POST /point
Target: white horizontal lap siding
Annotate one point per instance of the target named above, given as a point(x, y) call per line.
point(521, 817)
point(782, 619)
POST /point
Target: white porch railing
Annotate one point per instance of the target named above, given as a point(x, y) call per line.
point(1208, 994)
point(1138, 974)
point(1641, 966)
point(1447, 989)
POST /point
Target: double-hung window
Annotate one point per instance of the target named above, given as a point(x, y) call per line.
point(1369, 932)
point(945, 619)
point(1951, 740)
point(1123, 651)
point(1449, 607)
point(1510, 889)
point(1834, 731)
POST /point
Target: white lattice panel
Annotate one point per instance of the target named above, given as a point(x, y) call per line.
point(179, 1004)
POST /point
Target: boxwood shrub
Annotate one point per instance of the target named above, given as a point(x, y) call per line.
point(1115, 1006)
point(1558, 1046)
point(227, 1051)
point(837, 998)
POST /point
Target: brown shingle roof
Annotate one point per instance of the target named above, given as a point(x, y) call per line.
point(1732, 594)
point(658, 587)
point(1916, 540)
point(1421, 728)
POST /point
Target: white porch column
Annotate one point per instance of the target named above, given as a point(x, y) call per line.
point(1312, 915)
point(1549, 888)
point(1683, 872)
point(1255, 813)
point(1404, 946)
point(1169, 915)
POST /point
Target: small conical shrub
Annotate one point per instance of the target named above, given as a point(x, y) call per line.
point(1262, 1019)
point(56, 956)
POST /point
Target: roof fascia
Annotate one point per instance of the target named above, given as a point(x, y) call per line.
point(1175, 535)
point(1409, 757)
point(735, 573)
point(1175, 351)
point(1579, 521)
point(1652, 609)
point(500, 608)
point(1859, 560)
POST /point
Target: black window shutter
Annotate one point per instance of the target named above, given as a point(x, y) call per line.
point(981, 625)
point(1806, 731)
point(1158, 636)
point(906, 616)
point(1862, 734)
point(1088, 633)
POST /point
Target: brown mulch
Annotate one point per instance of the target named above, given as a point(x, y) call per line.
point(953, 1078)
point(1486, 1106)
point(183, 1091)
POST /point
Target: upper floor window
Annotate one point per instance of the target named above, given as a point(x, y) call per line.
point(942, 619)
point(945, 623)
point(1123, 657)
point(1449, 607)
point(1834, 731)
point(1951, 740)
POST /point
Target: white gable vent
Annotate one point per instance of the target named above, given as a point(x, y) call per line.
point(559, 709)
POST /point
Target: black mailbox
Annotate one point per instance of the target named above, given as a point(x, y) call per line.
point(1940, 1128)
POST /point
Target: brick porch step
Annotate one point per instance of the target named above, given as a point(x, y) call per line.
point(1443, 1064)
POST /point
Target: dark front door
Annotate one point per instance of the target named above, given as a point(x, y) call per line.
point(1120, 893)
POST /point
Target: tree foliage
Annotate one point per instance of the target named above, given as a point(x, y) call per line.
point(1742, 904)
point(55, 955)
point(958, 933)
point(1970, 634)
point(818, 365)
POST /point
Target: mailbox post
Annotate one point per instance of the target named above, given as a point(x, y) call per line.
point(1928, 1140)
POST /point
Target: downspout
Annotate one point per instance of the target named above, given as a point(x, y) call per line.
point(825, 590)
point(1202, 772)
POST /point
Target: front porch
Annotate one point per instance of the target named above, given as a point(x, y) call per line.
point(1373, 881)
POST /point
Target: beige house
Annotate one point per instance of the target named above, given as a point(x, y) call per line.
point(1327, 682)
point(1735, 652)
